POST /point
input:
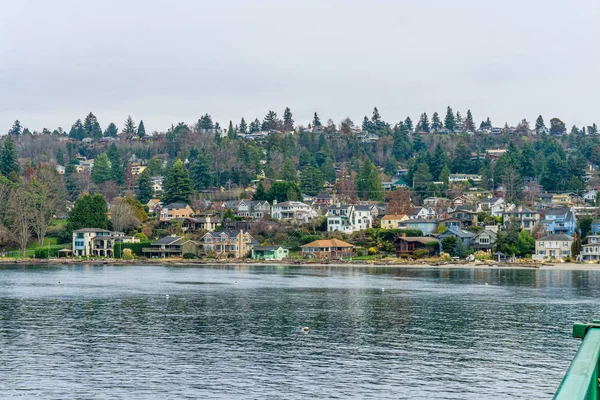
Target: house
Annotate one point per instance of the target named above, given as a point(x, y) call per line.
point(369, 137)
point(166, 247)
point(451, 222)
point(194, 224)
point(157, 184)
point(467, 218)
point(348, 218)
point(292, 211)
point(175, 211)
point(269, 253)
point(136, 168)
point(484, 240)
point(565, 199)
point(493, 205)
point(559, 220)
point(436, 202)
point(231, 244)
point(392, 221)
point(590, 196)
point(524, 217)
point(394, 183)
point(557, 246)
point(460, 234)
point(427, 226)
point(464, 200)
point(327, 248)
point(93, 242)
point(459, 178)
point(596, 227)
point(407, 245)
point(152, 204)
point(255, 209)
point(323, 200)
point(591, 250)
point(422, 213)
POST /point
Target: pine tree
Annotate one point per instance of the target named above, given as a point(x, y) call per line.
point(111, 130)
point(129, 128)
point(270, 121)
point(328, 170)
point(376, 118)
point(16, 129)
point(449, 121)
point(230, 132)
point(60, 157)
point(445, 175)
point(311, 181)
point(243, 126)
point(539, 125)
point(469, 124)
point(369, 183)
point(409, 124)
point(288, 172)
point(72, 181)
point(88, 212)
point(288, 121)
point(177, 186)
point(145, 190)
point(77, 131)
point(200, 171)
point(141, 130)
point(116, 166)
point(459, 121)
point(260, 193)
point(205, 123)
point(316, 120)
point(9, 157)
point(91, 127)
point(423, 124)
point(101, 171)
point(436, 124)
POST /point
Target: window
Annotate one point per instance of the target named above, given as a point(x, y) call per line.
point(484, 240)
point(79, 235)
point(541, 244)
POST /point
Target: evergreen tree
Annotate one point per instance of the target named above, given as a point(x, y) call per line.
point(270, 121)
point(593, 130)
point(254, 126)
point(205, 123)
point(367, 125)
point(311, 181)
point(376, 121)
point(369, 183)
point(60, 157)
point(422, 178)
point(288, 172)
point(260, 193)
point(401, 149)
point(438, 161)
point(539, 125)
point(487, 124)
point(129, 128)
point(288, 121)
point(72, 181)
point(459, 121)
point(449, 121)
point(88, 212)
point(111, 130)
point(445, 175)
point(329, 171)
point(145, 190)
point(469, 124)
point(423, 124)
point(141, 130)
point(243, 126)
point(77, 131)
point(409, 124)
point(116, 166)
point(284, 191)
point(200, 171)
point(9, 157)
point(91, 127)
point(230, 132)
point(101, 171)
point(16, 129)
point(436, 124)
point(177, 186)
point(316, 120)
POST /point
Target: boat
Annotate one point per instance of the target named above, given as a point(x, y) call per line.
point(581, 381)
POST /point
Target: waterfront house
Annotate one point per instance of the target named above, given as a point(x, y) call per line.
point(392, 221)
point(460, 234)
point(230, 244)
point(591, 250)
point(327, 248)
point(292, 211)
point(484, 240)
point(407, 245)
point(559, 220)
point(427, 226)
point(451, 222)
point(556, 246)
point(175, 211)
point(93, 242)
point(348, 218)
point(166, 247)
point(269, 253)
point(524, 217)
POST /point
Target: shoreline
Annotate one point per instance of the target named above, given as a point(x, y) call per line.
point(335, 264)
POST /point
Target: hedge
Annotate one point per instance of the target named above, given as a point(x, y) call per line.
point(42, 252)
point(136, 248)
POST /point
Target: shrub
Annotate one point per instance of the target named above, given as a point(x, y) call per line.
point(404, 256)
point(482, 255)
point(136, 248)
point(42, 252)
point(372, 251)
point(445, 256)
point(127, 254)
point(189, 256)
point(420, 253)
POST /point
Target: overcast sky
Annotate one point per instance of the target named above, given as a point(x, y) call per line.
point(166, 62)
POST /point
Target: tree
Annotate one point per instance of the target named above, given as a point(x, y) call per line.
point(487, 124)
point(423, 124)
point(584, 226)
point(91, 127)
point(449, 121)
point(328, 170)
point(77, 131)
point(369, 183)
point(511, 180)
point(469, 124)
point(60, 157)
point(111, 130)
point(116, 166)
point(289, 172)
point(141, 130)
point(200, 171)
point(284, 191)
point(445, 175)
point(449, 244)
point(88, 212)
point(145, 190)
point(49, 197)
point(260, 193)
point(316, 120)
point(230, 132)
point(122, 216)
point(576, 247)
point(9, 158)
point(101, 171)
point(399, 201)
point(20, 214)
point(177, 185)
point(155, 165)
point(462, 159)
point(409, 124)
point(270, 122)
point(288, 121)
point(557, 127)
point(539, 125)
point(436, 124)
point(243, 127)
point(129, 129)
point(205, 123)
point(72, 181)
point(422, 177)
point(16, 129)
point(311, 181)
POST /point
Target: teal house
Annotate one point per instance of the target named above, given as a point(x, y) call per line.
point(269, 253)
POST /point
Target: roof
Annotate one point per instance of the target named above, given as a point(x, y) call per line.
point(91, 230)
point(230, 233)
point(557, 237)
point(269, 248)
point(176, 205)
point(491, 233)
point(461, 233)
point(393, 217)
point(419, 239)
point(291, 203)
point(328, 243)
point(363, 208)
point(557, 211)
point(169, 240)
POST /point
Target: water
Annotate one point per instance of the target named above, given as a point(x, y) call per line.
point(151, 332)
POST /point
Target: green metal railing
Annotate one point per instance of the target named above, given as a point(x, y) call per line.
point(581, 381)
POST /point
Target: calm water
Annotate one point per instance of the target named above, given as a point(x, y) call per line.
point(80, 332)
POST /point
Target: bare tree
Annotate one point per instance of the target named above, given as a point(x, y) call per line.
point(49, 199)
point(345, 188)
point(399, 202)
point(122, 216)
point(20, 206)
point(510, 180)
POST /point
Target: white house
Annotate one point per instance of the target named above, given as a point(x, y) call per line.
point(293, 211)
point(590, 195)
point(94, 242)
point(348, 218)
point(157, 184)
point(494, 206)
point(456, 178)
point(422, 213)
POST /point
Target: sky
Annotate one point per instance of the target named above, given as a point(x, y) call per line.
point(169, 62)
